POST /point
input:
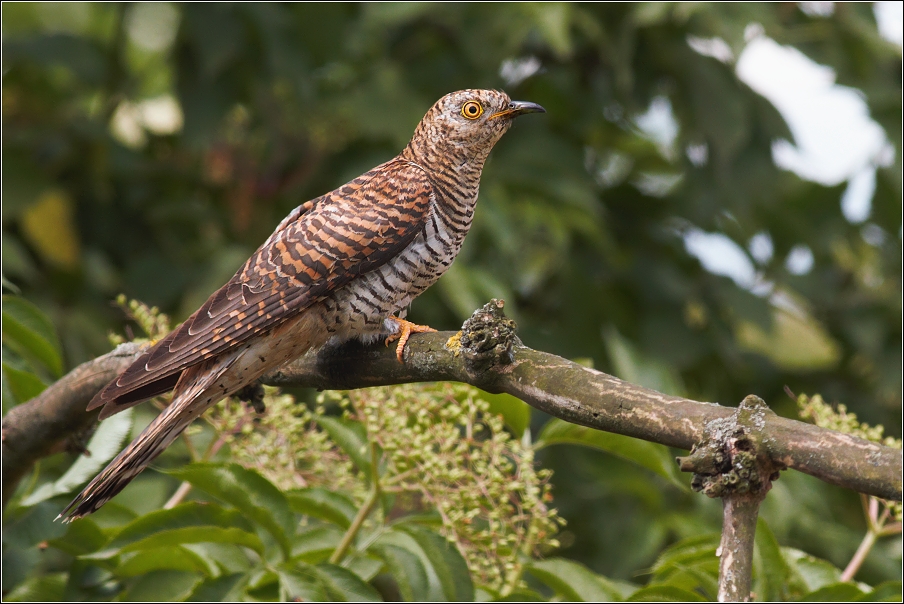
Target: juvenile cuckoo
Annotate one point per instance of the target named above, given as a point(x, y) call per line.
point(337, 267)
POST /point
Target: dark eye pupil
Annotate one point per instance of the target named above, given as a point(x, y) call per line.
point(472, 109)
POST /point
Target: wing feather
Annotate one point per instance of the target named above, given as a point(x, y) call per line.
point(320, 247)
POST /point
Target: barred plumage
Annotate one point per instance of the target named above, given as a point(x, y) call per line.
point(337, 267)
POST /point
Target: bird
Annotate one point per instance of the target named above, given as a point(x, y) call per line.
point(341, 266)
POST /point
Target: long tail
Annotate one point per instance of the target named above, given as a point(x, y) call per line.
point(193, 395)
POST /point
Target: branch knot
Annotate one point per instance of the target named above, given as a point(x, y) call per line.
point(487, 338)
point(730, 460)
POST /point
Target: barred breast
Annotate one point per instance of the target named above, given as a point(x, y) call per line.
point(360, 308)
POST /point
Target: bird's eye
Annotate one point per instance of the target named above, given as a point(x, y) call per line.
point(472, 110)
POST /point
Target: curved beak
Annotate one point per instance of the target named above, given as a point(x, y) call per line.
point(516, 108)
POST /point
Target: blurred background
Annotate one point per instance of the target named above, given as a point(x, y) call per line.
point(711, 206)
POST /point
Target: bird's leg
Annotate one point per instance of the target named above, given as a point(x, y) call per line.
point(405, 329)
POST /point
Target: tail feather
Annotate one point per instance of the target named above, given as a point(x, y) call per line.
point(198, 388)
point(193, 395)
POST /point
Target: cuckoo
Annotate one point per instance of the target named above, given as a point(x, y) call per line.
point(338, 267)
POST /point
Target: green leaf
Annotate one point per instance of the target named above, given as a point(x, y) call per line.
point(192, 522)
point(163, 586)
point(25, 527)
point(218, 589)
point(365, 565)
point(316, 545)
point(836, 592)
point(23, 385)
point(102, 447)
point(688, 551)
point(633, 366)
point(690, 565)
point(773, 571)
point(890, 591)
point(301, 583)
point(407, 570)
point(797, 341)
point(169, 557)
point(445, 559)
point(326, 505)
point(810, 573)
point(42, 588)
point(651, 456)
point(31, 333)
point(342, 585)
point(82, 537)
point(515, 412)
point(665, 593)
point(228, 557)
point(350, 440)
point(574, 581)
point(82, 55)
point(249, 492)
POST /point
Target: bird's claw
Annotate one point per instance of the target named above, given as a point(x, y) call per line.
point(406, 328)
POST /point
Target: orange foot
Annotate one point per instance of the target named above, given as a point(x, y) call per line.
point(406, 328)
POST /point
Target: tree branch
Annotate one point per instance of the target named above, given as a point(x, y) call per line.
point(49, 422)
point(486, 355)
point(732, 463)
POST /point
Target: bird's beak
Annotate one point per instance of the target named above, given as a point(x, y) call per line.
point(516, 108)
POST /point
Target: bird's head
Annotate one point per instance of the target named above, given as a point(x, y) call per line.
point(467, 123)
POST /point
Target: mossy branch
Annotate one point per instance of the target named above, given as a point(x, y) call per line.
point(550, 383)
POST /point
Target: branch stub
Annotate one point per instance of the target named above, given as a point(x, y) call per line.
point(487, 338)
point(730, 460)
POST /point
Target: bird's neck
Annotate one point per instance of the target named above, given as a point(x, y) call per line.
point(456, 166)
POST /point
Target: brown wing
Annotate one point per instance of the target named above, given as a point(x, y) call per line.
point(347, 232)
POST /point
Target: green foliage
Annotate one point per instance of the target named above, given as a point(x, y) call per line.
point(31, 351)
point(579, 227)
point(441, 450)
point(651, 456)
point(461, 514)
point(106, 442)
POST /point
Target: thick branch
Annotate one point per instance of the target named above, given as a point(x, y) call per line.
point(592, 398)
point(549, 383)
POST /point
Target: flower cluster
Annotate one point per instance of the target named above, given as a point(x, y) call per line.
point(815, 409)
point(150, 320)
point(285, 444)
point(441, 444)
point(441, 452)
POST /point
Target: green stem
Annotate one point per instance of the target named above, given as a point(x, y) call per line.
point(364, 512)
point(514, 575)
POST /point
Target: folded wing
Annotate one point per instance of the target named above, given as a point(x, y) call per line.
point(343, 234)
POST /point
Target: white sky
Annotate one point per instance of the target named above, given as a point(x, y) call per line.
point(835, 139)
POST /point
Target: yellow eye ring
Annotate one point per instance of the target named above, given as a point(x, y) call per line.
point(472, 110)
